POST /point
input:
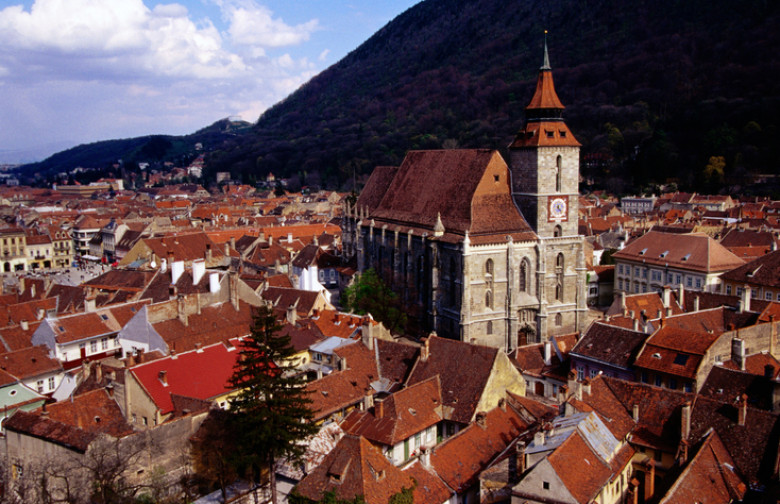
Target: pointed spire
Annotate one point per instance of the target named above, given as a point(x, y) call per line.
point(546, 62)
point(438, 229)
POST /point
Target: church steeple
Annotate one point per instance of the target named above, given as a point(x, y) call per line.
point(546, 62)
point(545, 108)
point(544, 159)
point(545, 104)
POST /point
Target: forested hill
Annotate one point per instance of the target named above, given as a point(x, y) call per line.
point(654, 89)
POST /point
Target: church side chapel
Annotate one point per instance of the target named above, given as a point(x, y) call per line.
point(487, 251)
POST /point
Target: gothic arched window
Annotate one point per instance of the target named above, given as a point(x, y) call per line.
point(557, 231)
point(558, 319)
point(559, 267)
point(523, 276)
point(489, 300)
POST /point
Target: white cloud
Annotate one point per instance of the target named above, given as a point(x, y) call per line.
point(323, 55)
point(87, 70)
point(254, 25)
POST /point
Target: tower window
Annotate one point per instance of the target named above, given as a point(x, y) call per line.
point(558, 173)
point(562, 133)
point(496, 178)
point(557, 231)
point(489, 300)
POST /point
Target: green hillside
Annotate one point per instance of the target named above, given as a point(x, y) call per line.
point(653, 90)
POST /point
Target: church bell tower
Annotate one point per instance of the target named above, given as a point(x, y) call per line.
point(545, 162)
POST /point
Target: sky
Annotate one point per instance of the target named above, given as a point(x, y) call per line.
point(79, 71)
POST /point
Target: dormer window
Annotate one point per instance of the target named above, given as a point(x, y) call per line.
point(686, 257)
point(562, 133)
point(550, 134)
point(642, 252)
point(656, 355)
point(664, 254)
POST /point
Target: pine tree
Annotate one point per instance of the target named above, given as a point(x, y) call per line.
point(271, 413)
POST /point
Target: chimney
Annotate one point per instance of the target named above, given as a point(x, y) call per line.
point(635, 412)
point(181, 308)
point(198, 270)
point(227, 249)
point(343, 364)
point(270, 240)
point(659, 314)
point(233, 285)
point(163, 375)
point(177, 268)
point(685, 421)
point(636, 324)
point(481, 419)
point(214, 283)
point(292, 314)
point(110, 390)
point(425, 456)
point(571, 382)
point(547, 353)
point(772, 336)
point(586, 387)
point(738, 352)
point(24, 325)
point(366, 337)
point(368, 402)
point(379, 407)
point(425, 350)
point(742, 405)
point(681, 296)
point(696, 303)
point(319, 373)
point(649, 480)
point(130, 360)
point(85, 368)
point(539, 438)
point(623, 308)
point(40, 313)
point(233, 242)
point(682, 456)
point(667, 296)
point(289, 239)
point(744, 302)
point(98, 372)
point(520, 468)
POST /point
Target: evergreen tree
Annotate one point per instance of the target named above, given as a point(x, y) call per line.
point(271, 413)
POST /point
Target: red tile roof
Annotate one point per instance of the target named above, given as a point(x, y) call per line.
point(695, 252)
point(203, 374)
point(450, 359)
point(404, 414)
point(709, 477)
point(354, 468)
point(459, 460)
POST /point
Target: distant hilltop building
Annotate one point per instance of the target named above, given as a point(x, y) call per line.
point(487, 251)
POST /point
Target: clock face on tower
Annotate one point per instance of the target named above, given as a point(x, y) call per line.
point(557, 209)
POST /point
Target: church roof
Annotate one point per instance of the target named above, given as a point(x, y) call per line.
point(469, 188)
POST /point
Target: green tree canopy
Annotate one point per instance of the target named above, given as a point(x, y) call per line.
point(271, 413)
point(369, 294)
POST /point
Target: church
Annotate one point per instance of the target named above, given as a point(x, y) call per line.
point(486, 251)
